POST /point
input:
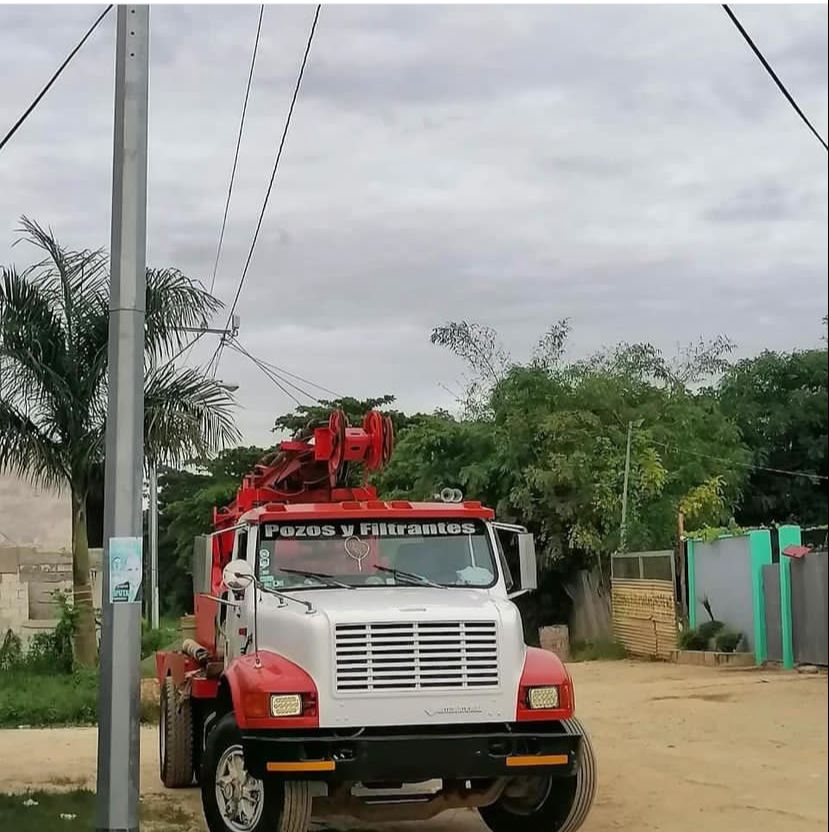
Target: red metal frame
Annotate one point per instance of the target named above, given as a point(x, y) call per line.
point(542, 668)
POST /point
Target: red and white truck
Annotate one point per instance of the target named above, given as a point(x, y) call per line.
point(364, 657)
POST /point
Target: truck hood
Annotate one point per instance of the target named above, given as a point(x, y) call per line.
point(382, 603)
point(308, 640)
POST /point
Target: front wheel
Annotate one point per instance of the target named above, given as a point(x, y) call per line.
point(235, 801)
point(547, 804)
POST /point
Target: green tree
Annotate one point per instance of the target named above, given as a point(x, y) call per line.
point(54, 319)
point(780, 403)
point(186, 501)
point(305, 417)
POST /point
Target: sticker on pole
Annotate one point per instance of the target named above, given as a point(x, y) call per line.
point(125, 569)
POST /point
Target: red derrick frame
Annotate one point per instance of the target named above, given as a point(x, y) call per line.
point(312, 467)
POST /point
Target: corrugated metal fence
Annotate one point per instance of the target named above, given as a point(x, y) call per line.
point(644, 602)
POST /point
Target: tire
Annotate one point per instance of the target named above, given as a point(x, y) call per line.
point(246, 804)
point(175, 738)
point(548, 804)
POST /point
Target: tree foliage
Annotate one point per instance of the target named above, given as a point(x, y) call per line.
point(780, 403)
point(54, 323)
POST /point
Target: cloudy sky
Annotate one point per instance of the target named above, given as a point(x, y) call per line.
point(632, 168)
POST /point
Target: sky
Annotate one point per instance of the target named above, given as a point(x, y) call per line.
point(632, 168)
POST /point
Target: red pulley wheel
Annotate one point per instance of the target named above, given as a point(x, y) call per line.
point(388, 439)
point(373, 426)
point(337, 424)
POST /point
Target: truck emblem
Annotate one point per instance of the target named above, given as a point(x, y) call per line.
point(357, 550)
point(450, 711)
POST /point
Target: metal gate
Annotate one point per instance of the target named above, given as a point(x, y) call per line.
point(644, 602)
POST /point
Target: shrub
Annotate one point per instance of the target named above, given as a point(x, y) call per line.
point(728, 641)
point(709, 629)
point(692, 640)
point(154, 640)
point(11, 651)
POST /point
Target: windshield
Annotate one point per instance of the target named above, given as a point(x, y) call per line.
point(446, 552)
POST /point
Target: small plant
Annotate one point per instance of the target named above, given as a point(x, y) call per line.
point(728, 641)
point(692, 640)
point(153, 640)
point(53, 652)
point(710, 629)
point(11, 651)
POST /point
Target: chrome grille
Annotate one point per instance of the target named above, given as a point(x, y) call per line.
point(416, 655)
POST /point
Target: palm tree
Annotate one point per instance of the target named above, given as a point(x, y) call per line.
point(53, 383)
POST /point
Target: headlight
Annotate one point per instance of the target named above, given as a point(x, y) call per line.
point(286, 704)
point(543, 698)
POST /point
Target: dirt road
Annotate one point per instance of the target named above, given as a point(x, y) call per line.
point(680, 749)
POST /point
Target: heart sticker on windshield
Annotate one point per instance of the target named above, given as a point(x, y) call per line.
point(357, 549)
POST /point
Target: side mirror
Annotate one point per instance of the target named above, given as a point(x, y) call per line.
point(527, 562)
point(517, 537)
point(238, 575)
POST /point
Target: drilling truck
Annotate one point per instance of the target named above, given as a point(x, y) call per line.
point(364, 657)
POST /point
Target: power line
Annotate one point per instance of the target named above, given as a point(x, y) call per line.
point(238, 145)
point(238, 348)
point(750, 465)
point(192, 342)
point(285, 372)
point(54, 78)
point(285, 129)
point(773, 74)
point(278, 379)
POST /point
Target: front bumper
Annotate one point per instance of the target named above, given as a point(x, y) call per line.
point(414, 753)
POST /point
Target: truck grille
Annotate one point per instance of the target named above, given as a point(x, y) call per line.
point(417, 655)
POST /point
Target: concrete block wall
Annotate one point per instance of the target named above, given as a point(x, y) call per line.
point(31, 516)
point(14, 603)
point(28, 579)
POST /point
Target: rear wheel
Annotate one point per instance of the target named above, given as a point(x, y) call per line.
point(235, 801)
point(175, 737)
point(547, 804)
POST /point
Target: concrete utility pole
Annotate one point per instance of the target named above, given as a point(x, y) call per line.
point(623, 528)
point(118, 734)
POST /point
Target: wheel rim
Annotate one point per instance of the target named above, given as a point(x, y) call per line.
point(238, 795)
point(526, 795)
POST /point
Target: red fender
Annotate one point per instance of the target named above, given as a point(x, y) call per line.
point(542, 668)
point(251, 687)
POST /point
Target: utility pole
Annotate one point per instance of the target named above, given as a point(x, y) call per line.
point(623, 528)
point(118, 732)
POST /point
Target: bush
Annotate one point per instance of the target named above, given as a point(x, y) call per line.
point(709, 629)
point(11, 651)
point(154, 640)
point(728, 641)
point(692, 640)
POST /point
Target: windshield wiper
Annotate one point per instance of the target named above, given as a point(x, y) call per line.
point(317, 576)
point(411, 577)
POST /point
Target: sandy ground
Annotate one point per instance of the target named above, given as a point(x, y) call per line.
point(680, 749)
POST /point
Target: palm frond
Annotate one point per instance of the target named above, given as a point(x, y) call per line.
point(186, 415)
point(174, 301)
point(25, 450)
point(69, 274)
point(32, 342)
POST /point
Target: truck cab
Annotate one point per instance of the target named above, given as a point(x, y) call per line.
point(366, 658)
